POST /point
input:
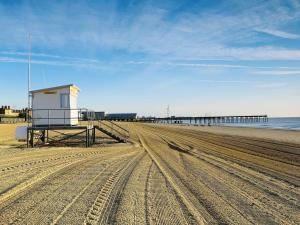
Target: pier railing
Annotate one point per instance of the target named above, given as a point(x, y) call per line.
point(208, 120)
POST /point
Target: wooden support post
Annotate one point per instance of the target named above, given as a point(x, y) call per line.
point(89, 138)
point(27, 137)
point(86, 137)
point(32, 139)
point(94, 135)
point(43, 139)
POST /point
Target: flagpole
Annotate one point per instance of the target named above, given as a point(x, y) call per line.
point(29, 76)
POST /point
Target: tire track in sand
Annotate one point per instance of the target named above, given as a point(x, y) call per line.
point(275, 208)
point(102, 208)
point(111, 167)
point(187, 198)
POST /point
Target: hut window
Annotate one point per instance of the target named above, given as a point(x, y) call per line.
point(64, 100)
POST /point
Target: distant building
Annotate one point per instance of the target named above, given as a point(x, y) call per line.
point(55, 106)
point(88, 115)
point(121, 116)
point(99, 115)
point(7, 111)
point(92, 115)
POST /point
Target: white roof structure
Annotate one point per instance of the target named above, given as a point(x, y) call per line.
point(54, 88)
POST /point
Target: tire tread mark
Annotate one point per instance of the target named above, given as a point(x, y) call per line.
point(190, 206)
point(98, 213)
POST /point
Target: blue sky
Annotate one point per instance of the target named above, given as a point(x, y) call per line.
point(206, 57)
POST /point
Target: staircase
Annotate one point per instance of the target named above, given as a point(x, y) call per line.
point(113, 130)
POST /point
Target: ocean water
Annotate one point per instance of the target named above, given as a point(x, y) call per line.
point(287, 123)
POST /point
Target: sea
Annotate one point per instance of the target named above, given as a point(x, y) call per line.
point(286, 123)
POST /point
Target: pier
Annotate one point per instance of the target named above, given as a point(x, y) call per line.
point(207, 120)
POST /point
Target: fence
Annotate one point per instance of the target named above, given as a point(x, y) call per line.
point(12, 120)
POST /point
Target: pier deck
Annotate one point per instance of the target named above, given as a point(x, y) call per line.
point(207, 120)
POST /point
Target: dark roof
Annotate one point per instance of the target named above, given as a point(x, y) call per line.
point(53, 88)
point(121, 115)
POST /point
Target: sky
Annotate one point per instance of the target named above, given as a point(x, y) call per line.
point(200, 57)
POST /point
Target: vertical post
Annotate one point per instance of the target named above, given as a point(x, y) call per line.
point(44, 136)
point(64, 117)
point(29, 61)
point(86, 137)
point(27, 137)
point(32, 138)
point(47, 140)
point(94, 135)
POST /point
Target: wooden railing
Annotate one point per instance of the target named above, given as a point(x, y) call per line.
point(114, 128)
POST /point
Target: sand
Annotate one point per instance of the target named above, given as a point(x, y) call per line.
point(7, 133)
point(168, 175)
point(292, 136)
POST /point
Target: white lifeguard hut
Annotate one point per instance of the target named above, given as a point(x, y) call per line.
point(55, 120)
point(55, 106)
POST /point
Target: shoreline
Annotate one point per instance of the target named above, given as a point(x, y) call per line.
point(268, 128)
point(284, 135)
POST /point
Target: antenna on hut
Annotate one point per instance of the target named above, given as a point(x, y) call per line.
point(29, 77)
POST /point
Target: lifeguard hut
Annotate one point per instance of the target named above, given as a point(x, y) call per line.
point(55, 110)
point(55, 106)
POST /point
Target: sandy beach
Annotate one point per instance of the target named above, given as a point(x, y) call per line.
point(164, 175)
point(292, 136)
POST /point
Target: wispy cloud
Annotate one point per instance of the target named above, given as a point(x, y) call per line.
point(278, 72)
point(146, 29)
point(279, 33)
point(56, 60)
point(271, 85)
point(43, 55)
point(225, 81)
point(76, 63)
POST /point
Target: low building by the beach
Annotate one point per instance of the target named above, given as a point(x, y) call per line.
point(8, 111)
point(121, 116)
